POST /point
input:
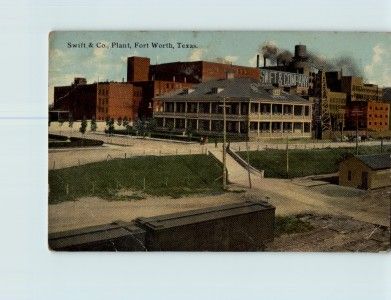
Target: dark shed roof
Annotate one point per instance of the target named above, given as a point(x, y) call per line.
point(203, 214)
point(376, 161)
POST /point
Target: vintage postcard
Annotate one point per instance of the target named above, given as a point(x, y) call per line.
point(219, 141)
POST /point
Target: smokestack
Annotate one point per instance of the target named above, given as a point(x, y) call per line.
point(264, 61)
point(257, 60)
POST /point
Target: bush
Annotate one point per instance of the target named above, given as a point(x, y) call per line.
point(75, 142)
point(57, 137)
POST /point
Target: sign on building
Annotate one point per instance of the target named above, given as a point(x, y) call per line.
point(284, 78)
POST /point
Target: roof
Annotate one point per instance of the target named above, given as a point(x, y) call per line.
point(376, 161)
point(202, 215)
point(387, 93)
point(92, 234)
point(242, 88)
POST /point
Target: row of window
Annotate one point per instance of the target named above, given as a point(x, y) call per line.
point(103, 92)
point(102, 109)
point(380, 123)
point(376, 108)
point(380, 116)
point(103, 101)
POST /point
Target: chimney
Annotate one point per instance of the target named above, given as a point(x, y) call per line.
point(185, 79)
point(173, 78)
point(257, 60)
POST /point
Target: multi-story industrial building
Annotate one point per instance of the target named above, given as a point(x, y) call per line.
point(98, 100)
point(158, 79)
point(357, 90)
point(369, 115)
point(199, 71)
point(133, 99)
point(253, 109)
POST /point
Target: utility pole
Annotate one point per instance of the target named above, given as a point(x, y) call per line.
point(357, 112)
point(248, 162)
point(356, 133)
point(287, 155)
point(224, 106)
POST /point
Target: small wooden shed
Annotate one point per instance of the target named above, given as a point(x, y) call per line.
point(366, 171)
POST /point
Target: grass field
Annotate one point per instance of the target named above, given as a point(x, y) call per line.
point(304, 162)
point(163, 176)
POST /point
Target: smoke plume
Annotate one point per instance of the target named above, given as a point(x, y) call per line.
point(270, 51)
point(284, 57)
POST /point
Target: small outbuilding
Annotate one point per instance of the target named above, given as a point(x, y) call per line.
point(366, 171)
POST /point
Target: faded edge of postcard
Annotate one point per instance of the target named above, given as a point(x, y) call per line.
point(219, 141)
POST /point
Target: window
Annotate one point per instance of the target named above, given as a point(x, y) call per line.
point(349, 175)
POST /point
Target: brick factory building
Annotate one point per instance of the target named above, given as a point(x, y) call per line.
point(255, 110)
point(200, 71)
point(368, 115)
point(156, 80)
point(100, 100)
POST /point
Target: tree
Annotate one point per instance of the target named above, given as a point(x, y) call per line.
point(111, 126)
point(83, 126)
point(125, 123)
point(60, 122)
point(70, 121)
point(151, 126)
point(170, 128)
point(189, 131)
point(119, 121)
point(93, 124)
point(140, 128)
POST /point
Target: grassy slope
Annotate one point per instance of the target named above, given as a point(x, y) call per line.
point(171, 175)
point(303, 162)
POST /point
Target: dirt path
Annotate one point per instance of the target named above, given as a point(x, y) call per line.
point(290, 197)
point(91, 211)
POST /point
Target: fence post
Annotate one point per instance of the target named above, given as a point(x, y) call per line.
point(66, 189)
point(93, 187)
point(125, 154)
point(78, 161)
point(54, 164)
point(144, 184)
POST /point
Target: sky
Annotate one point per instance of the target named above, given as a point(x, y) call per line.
point(370, 52)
